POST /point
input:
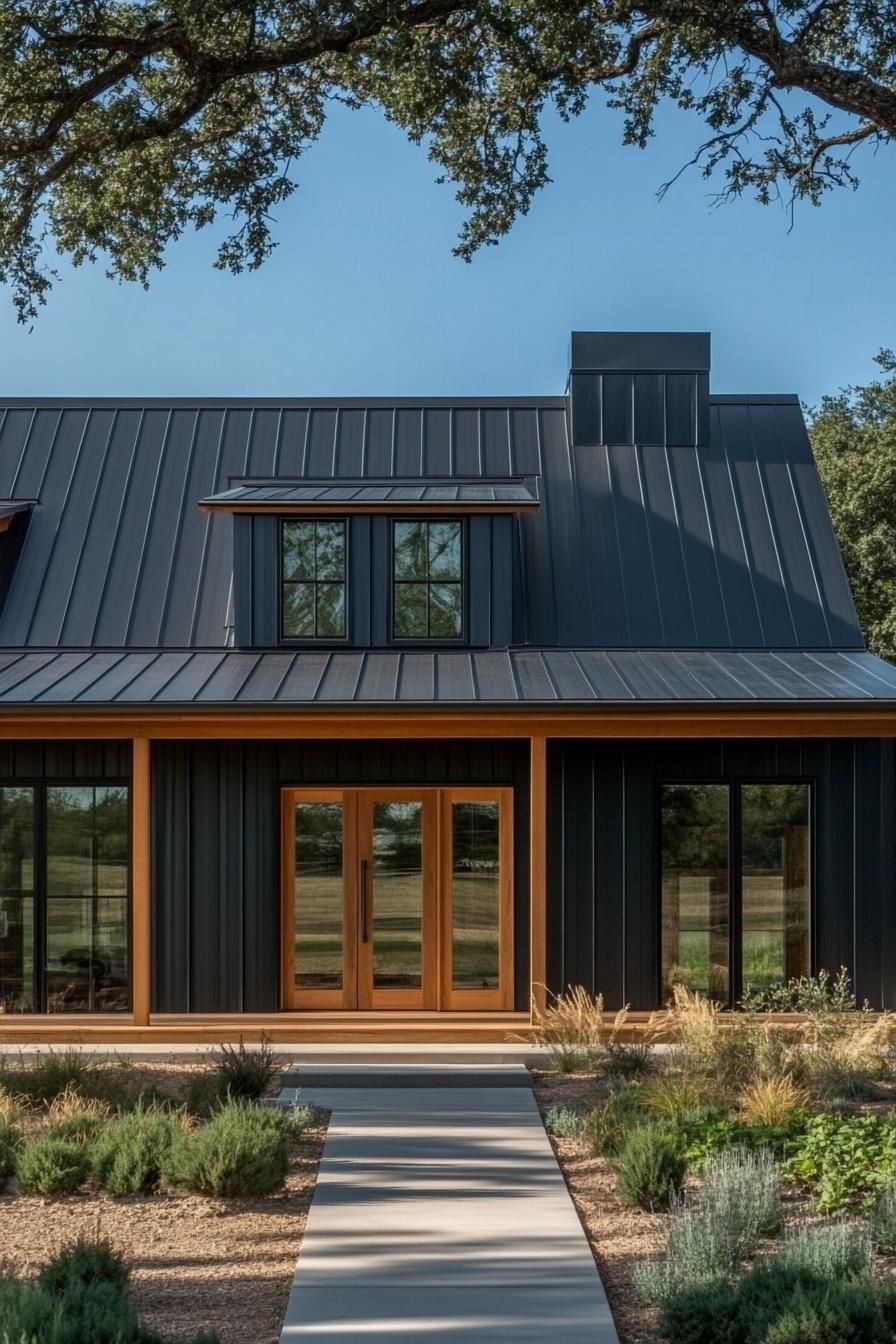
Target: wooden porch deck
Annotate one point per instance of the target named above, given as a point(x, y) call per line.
point(309, 1028)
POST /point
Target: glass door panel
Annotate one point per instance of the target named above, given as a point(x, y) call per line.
point(476, 895)
point(477, 899)
point(318, 858)
point(318, 894)
point(396, 895)
point(774, 883)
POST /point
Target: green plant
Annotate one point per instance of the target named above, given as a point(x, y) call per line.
point(574, 1029)
point(49, 1166)
point(246, 1073)
point(82, 1264)
point(204, 1092)
point(650, 1166)
point(741, 1195)
point(58, 1072)
point(298, 1117)
point(772, 1100)
point(605, 1127)
point(831, 1250)
point(564, 1122)
point(134, 1149)
point(76, 1118)
point(844, 1161)
point(707, 1238)
point(675, 1098)
point(241, 1150)
point(10, 1140)
point(883, 1220)
point(779, 1304)
point(707, 1134)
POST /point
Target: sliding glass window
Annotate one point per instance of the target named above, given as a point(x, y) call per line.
point(64, 892)
point(736, 897)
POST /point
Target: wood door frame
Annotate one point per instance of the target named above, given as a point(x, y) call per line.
point(477, 1000)
point(437, 992)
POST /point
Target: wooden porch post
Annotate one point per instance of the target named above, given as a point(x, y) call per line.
point(140, 881)
point(538, 832)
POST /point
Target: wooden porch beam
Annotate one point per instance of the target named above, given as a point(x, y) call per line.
point(141, 952)
point(538, 868)
point(471, 723)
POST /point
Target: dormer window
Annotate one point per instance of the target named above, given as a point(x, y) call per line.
point(427, 579)
point(313, 578)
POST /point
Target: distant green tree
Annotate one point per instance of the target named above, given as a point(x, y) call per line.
point(124, 123)
point(854, 438)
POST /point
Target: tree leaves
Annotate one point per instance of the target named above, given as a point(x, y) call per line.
point(125, 122)
point(854, 440)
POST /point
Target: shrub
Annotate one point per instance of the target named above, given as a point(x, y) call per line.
point(772, 1100)
point(241, 1150)
point(846, 1043)
point(606, 1126)
point(246, 1073)
point(650, 1166)
point(75, 1118)
point(844, 1161)
point(298, 1117)
point(82, 1264)
point(831, 1250)
point(117, 1083)
point(707, 1239)
point(135, 1148)
point(742, 1196)
point(578, 1037)
point(708, 1043)
point(676, 1098)
point(710, 1134)
point(778, 1304)
point(563, 1122)
point(48, 1166)
point(204, 1092)
point(883, 1221)
point(80, 1296)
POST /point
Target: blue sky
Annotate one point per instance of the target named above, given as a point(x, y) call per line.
point(363, 296)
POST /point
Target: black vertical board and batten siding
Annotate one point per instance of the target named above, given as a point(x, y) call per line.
point(603, 855)
point(216, 934)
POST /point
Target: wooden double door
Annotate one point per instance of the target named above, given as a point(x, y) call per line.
point(398, 899)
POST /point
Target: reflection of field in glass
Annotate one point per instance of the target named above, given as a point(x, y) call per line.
point(397, 929)
point(766, 934)
point(73, 875)
point(475, 933)
point(318, 925)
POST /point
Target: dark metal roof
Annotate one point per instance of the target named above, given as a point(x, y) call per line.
point(497, 495)
point(642, 546)
point(562, 679)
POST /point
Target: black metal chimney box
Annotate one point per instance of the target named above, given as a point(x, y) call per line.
point(644, 387)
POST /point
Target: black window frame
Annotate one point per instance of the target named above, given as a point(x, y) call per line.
point(431, 641)
point(40, 894)
point(315, 641)
point(734, 784)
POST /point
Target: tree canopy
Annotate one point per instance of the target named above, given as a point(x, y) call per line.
point(854, 440)
point(125, 122)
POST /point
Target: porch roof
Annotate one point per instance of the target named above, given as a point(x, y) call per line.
point(530, 678)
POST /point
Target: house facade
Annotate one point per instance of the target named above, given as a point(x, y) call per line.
point(343, 717)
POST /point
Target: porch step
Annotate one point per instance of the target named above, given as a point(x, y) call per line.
point(300, 1076)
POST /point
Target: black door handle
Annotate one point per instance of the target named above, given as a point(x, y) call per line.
point(365, 903)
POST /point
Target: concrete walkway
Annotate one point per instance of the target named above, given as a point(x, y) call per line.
point(441, 1217)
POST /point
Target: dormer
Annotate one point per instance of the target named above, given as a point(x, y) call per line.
point(398, 562)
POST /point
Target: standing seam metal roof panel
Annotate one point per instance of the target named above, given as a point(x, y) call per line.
point(728, 545)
